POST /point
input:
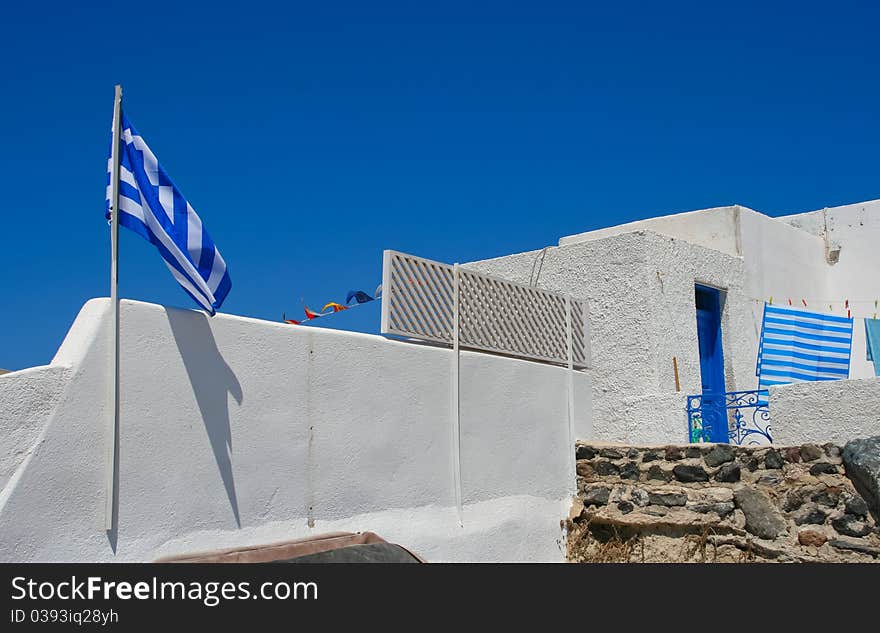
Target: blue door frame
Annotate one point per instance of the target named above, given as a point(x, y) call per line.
point(708, 301)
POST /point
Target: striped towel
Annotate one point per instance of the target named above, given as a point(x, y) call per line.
point(872, 339)
point(799, 346)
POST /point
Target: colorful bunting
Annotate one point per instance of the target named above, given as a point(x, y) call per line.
point(310, 314)
point(358, 295)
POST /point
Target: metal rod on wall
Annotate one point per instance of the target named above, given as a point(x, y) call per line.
point(570, 393)
point(456, 396)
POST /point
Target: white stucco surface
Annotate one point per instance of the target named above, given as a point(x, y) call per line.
point(28, 398)
point(833, 411)
point(715, 228)
point(854, 229)
point(236, 431)
point(639, 279)
point(640, 288)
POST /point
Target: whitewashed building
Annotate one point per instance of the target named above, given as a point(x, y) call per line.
point(641, 282)
point(237, 431)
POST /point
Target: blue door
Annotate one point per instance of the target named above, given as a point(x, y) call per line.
point(708, 302)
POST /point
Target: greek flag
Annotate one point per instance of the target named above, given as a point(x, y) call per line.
point(151, 206)
point(798, 346)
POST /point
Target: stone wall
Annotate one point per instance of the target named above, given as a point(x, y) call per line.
point(718, 503)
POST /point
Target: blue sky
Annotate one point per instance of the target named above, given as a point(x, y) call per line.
point(311, 136)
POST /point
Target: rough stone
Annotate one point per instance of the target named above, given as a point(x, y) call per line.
point(794, 472)
point(605, 469)
point(770, 479)
point(813, 538)
point(673, 453)
point(857, 506)
point(823, 468)
point(630, 470)
point(728, 473)
point(829, 497)
point(779, 504)
point(650, 456)
point(596, 496)
point(832, 451)
point(794, 499)
point(720, 454)
point(688, 473)
point(577, 508)
point(585, 470)
point(585, 452)
point(655, 472)
point(657, 511)
point(762, 518)
point(855, 546)
point(640, 497)
point(667, 498)
point(693, 452)
point(851, 525)
point(618, 493)
point(773, 460)
point(793, 454)
point(722, 509)
point(810, 514)
point(862, 460)
point(714, 494)
point(811, 452)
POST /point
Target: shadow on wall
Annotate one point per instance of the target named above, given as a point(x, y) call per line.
point(211, 380)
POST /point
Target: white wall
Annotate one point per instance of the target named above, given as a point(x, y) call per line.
point(715, 228)
point(831, 411)
point(640, 288)
point(855, 230)
point(781, 262)
point(639, 279)
point(238, 431)
point(28, 399)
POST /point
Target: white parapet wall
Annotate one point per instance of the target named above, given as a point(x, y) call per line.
point(830, 411)
point(235, 431)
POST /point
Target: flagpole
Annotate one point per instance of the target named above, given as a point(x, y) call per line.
point(113, 418)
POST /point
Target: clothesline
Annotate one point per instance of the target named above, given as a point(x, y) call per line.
point(775, 300)
point(819, 304)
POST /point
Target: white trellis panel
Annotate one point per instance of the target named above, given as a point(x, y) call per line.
point(495, 315)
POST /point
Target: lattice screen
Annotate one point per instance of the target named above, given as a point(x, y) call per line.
point(495, 315)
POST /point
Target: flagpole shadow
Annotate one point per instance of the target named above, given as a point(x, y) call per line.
point(211, 379)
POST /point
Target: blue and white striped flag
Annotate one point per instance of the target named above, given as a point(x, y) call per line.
point(799, 346)
point(151, 206)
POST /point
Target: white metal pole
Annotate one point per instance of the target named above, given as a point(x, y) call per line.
point(113, 418)
point(456, 397)
point(570, 392)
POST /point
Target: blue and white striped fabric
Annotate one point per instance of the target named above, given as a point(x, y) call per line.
point(799, 346)
point(151, 206)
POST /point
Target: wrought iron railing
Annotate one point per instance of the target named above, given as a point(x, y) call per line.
point(735, 417)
